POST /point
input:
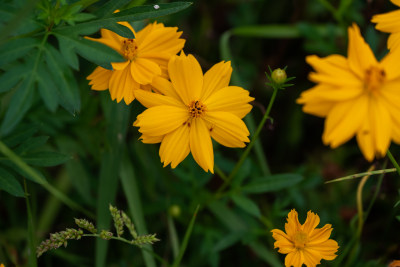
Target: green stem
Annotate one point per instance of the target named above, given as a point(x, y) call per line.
point(221, 174)
point(250, 146)
point(358, 175)
point(393, 160)
point(31, 232)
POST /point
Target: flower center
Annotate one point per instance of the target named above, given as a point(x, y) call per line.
point(197, 109)
point(374, 77)
point(300, 238)
point(129, 49)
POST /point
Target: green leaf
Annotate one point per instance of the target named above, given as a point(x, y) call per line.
point(11, 77)
point(110, 7)
point(10, 184)
point(230, 219)
point(20, 136)
point(95, 52)
point(265, 254)
point(69, 54)
point(247, 205)
point(46, 158)
point(132, 14)
point(228, 241)
point(121, 30)
point(20, 102)
point(16, 49)
point(47, 88)
point(31, 143)
point(272, 183)
point(64, 79)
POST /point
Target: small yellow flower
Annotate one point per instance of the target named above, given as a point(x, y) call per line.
point(390, 23)
point(304, 243)
point(2, 265)
point(191, 109)
point(146, 57)
point(358, 95)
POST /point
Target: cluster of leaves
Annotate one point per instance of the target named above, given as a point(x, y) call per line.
point(120, 218)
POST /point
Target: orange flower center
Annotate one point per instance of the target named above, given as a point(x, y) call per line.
point(197, 109)
point(374, 77)
point(129, 49)
point(300, 238)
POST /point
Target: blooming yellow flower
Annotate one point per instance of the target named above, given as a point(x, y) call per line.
point(358, 96)
point(304, 243)
point(146, 57)
point(390, 23)
point(191, 109)
point(2, 265)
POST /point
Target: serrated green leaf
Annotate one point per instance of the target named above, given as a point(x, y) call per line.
point(47, 88)
point(120, 30)
point(272, 183)
point(247, 205)
point(95, 52)
point(64, 79)
point(10, 184)
point(46, 158)
point(16, 49)
point(132, 14)
point(68, 52)
point(11, 77)
point(31, 143)
point(82, 17)
point(20, 136)
point(20, 102)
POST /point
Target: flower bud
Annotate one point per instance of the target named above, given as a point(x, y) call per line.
point(279, 76)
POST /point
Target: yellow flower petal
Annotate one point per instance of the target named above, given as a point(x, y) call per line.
point(292, 224)
point(396, 2)
point(381, 124)
point(294, 259)
point(320, 235)
point(227, 129)
point(165, 87)
point(318, 108)
point(120, 65)
point(143, 70)
point(216, 78)
point(311, 222)
point(149, 99)
point(175, 146)
point(100, 79)
point(201, 145)
point(327, 92)
point(388, 22)
point(359, 53)
point(147, 139)
point(160, 120)
point(231, 99)
point(344, 120)
point(390, 64)
point(163, 39)
point(186, 77)
point(326, 249)
point(122, 86)
point(365, 140)
point(311, 259)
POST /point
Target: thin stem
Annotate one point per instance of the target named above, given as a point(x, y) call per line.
point(393, 160)
point(358, 175)
point(220, 173)
point(31, 232)
point(250, 146)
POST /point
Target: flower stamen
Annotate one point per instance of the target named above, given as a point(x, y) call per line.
point(300, 238)
point(129, 49)
point(197, 109)
point(374, 77)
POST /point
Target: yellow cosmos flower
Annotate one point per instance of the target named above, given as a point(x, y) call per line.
point(358, 96)
point(191, 109)
point(304, 243)
point(390, 23)
point(146, 57)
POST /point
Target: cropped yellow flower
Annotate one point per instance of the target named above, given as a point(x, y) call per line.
point(390, 23)
point(146, 57)
point(304, 243)
point(2, 265)
point(191, 109)
point(358, 96)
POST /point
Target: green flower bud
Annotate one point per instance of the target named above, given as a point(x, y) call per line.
point(279, 76)
point(175, 211)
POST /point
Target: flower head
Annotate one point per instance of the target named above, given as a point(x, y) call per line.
point(358, 95)
point(304, 243)
point(146, 57)
point(390, 23)
point(191, 109)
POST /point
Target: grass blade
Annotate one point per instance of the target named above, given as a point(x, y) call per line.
point(186, 239)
